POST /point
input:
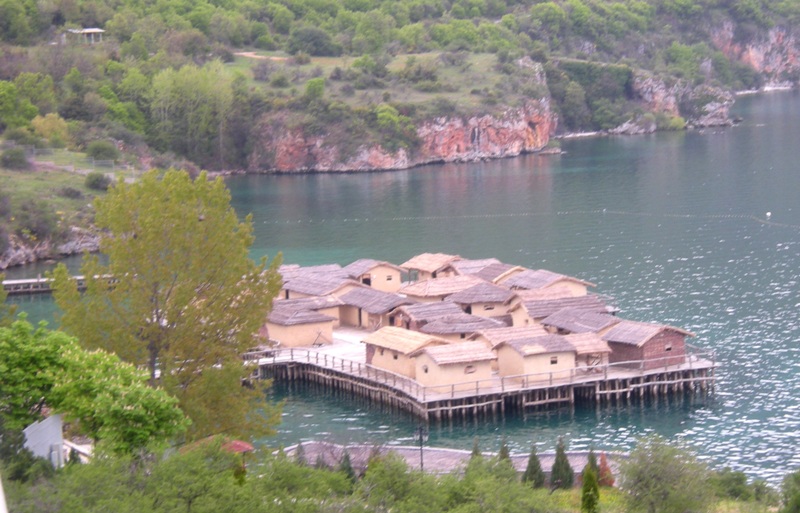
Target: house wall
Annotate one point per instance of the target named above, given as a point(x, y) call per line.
point(301, 334)
point(384, 278)
point(588, 360)
point(488, 309)
point(393, 361)
point(349, 316)
point(455, 377)
point(509, 362)
point(654, 352)
point(519, 317)
point(426, 299)
point(453, 337)
point(541, 366)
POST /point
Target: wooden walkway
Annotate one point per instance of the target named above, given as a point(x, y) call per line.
point(40, 285)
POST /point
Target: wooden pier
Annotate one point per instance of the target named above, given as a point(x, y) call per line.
point(618, 383)
point(40, 285)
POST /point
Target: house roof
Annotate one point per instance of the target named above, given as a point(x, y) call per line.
point(461, 352)
point(638, 333)
point(365, 265)
point(437, 287)
point(289, 317)
point(577, 320)
point(547, 307)
point(540, 345)
point(587, 343)
point(291, 271)
point(374, 301)
point(459, 323)
point(429, 262)
point(308, 303)
point(496, 272)
point(497, 335)
point(539, 279)
point(482, 293)
point(469, 266)
point(401, 340)
point(429, 311)
point(318, 284)
point(554, 292)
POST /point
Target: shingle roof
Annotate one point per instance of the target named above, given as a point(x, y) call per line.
point(494, 272)
point(363, 266)
point(308, 303)
point(468, 266)
point(482, 293)
point(538, 279)
point(291, 271)
point(540, 345)
point(497, 335)
point(587, 343)
point(437, 287)
point(577, 320)
point(544, 308)
point(428, 311)
point(638, 333)
point(554, 292)
point(317, 284)
point(429, 262)
point(374, 301)
point(401, 340)
point(289, 317)
point(461, 352)
point(460, 323)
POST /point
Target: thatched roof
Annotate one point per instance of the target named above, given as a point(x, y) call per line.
point(374, 301)
point(461, 352)
point(577, 320)
point(289, 317)
point(588, 343)
point(638, 333)
point(428, 311)
point(545, 308)
point(554, 292)
point(540, 345)
point(539, 279)
point(467, 266)
point(318, 284)
point(291, 271)
point(459, 323)
point(439, 287)
point(497, 272)
point(401, 340)
point(497, 335)
point(308, 303)
point(429, 262)
point(482, 293)
point(365, 265)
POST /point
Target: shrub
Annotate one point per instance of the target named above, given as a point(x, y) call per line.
point(279, 80)
point(35, 220)
point(97, 181)
point(102, 150)
point(70, 192)
point(14, 158)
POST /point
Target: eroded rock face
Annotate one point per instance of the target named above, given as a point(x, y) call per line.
point(21, 252)
point(775, 53)
point(449, 139)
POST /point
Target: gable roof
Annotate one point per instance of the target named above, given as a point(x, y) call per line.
point(401, 340)
point(308, 303)
point(365, 265)
point(539, 279)
point(291, 271)
point(460, 323)
point(540, 345)
point(428, 311)
point(542, 309)
point(437, 287)
point(429, 262)
point(638, 333)
point(496, 272)
point(577, 320)
point(318, 284)
point(497, 335)
point(469, 266)
point(373, 301)
point(482, 293)
point(289, 317)
point(461, 352)
point(587, 343)
point(554, 292)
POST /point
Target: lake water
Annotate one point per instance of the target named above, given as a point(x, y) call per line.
point(696, 229)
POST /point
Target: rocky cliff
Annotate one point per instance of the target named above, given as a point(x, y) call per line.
point(21, 252)
point(774, 53)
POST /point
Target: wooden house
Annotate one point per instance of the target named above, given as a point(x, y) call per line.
point(415, 316)
point(327, 305)
point(316, 285)
point(436, 289)
point(472, 266)
point(377, 275)
point(429, 265)
point(364, 307)
point(576, 320)
point(492, 337)
point(299, 328)
point(459, 326)
point(454, 367)
point(545, 358)
point(527, 313)
point(489, 269)
point(390, 349)
point(542, 279)
point(484, 300)
point(647, 345)
point(591, 351)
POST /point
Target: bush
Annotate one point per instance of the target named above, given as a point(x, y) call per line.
point(97, 181)
point(36, 220)
point(70, 192)
point(14, 158)
point(102, 150)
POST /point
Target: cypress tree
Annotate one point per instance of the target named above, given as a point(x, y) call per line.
point(504, 453)
point(590, 492)
point(346, 467)
point(592, 462)
point(534, 475)
point(476, 451)
point(605, 476)
point(562, 475)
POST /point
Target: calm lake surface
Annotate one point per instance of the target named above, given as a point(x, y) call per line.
point(699, 229)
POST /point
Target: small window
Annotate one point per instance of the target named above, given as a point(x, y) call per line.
point(488, 307)
point(469, 369)
point(381, 351)
point(463, 335)
point(554, 360)
point(668, 348)
point(394, 356)
point(389, 278)
point(425, 369)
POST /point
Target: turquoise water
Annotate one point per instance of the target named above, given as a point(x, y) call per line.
point(674, 227)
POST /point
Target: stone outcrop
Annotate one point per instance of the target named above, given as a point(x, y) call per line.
point(514, 131)
point(775, 53)
point(21, 252)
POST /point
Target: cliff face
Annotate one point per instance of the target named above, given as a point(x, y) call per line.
point(775, 54)
point(449, 139)
point(21, 252)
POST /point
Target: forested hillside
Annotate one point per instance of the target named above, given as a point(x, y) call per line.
point(217, 83)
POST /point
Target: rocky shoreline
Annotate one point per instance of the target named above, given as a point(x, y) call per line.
point(19, 252)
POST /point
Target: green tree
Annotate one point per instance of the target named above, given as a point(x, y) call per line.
point(186, 302)
point(590, 491)
point(38, 88)
point(7, 311)
point(591, 462)
point(790, 493)
point(534, 475)
point(504, 453)
point(15, 110)
point(562, 475)
point(663, 478)
point(315, 88)
point(346, 467)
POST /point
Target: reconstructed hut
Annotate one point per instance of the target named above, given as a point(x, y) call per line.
point(527, 313)
point(459, 326)
point(390, 348)
point(382, 276)
point(576, 320)
point(545, 358)
point(311, 285)
point(364, 307)
point(647, 345)
point(429, 265)
point(415, 316)
point(484, 300)
point(591, 351)
point(299, 328)
point(436, 289)
point(493, 336)
point(542, 279)
point(454, 367)
point(327, 305)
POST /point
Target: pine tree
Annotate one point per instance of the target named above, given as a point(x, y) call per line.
point(606, 477)
point(476, 451)
point(592, 462)
point(346, 467)
point(504, 453)
point(590, 492)
point(562, 475)
point(534, 475)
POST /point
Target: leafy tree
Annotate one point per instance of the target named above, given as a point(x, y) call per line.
point(790, 493)
point(14, 158)
point(7, 311)
point(562, 475)
point(534, 475)
point(15, 110)
point(39, 89)
point(590, 491)
point(313, 41)
point(476, 450)
point(663, 478)
point(186, 301)
point(102, 150)
point(504, 453)
point(52, 127)
point(731, 484)
point(315, 88)
point(97, 181)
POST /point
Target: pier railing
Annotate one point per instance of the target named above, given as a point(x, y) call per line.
point(695, 358)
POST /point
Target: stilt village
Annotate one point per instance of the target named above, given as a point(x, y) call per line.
point(445, 337)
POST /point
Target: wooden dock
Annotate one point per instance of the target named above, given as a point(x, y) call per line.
point(40, 285)
point(614, 383)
